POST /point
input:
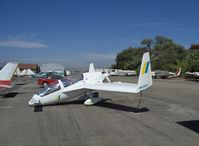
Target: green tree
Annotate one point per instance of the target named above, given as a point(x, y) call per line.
point(129, 59)
point(192, 61)
point(148, 43)
point(167, 54)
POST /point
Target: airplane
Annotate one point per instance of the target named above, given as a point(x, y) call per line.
point(6, 74)
point(86, 89)
point(166, 74)
point(193, 74)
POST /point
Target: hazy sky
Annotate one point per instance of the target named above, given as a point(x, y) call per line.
point(77, 32)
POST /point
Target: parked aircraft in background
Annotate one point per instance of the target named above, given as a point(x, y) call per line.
point(92, 82)
point(165, 74)
point(6, 74)
point(118, 72)
point(194, 75)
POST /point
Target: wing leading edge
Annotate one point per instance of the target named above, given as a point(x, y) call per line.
point(112, 87)
point(115, 87)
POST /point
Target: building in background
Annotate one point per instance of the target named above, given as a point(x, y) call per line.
point(34, 67)
point(194, 47)
point(50, 67)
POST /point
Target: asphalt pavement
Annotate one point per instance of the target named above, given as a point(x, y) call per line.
point(168, 116)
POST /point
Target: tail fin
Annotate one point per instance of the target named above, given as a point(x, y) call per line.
point(178, 72)
point(145, 77)
point(6, 74)
point(8, 71)
point(91, 68)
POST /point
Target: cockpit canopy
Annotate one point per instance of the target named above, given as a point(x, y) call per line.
point(53, 88)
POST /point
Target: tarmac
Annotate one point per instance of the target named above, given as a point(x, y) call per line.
point(168, 116)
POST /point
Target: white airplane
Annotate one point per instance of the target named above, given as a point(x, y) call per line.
point(91, 83)
point(6, 74)
point(193, 74)
point(166, 74)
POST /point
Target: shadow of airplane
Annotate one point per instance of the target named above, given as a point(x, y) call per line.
point(192, 125)
point(38, 109)
point(105, 104)
point(11, 94)
point(120, 107)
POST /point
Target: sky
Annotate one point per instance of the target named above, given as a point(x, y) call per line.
point(77, 32)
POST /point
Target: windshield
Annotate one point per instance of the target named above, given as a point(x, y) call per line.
point(53, 87)
point(66, 83)
point(48, 90)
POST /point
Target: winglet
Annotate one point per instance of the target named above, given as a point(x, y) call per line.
point(91, 68)
point(145, 77)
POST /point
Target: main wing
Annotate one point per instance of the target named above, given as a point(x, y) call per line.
point(113, 87)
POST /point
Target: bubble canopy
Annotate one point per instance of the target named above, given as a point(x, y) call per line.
point(53, 88)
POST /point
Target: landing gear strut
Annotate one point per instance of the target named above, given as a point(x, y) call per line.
point(140, 100)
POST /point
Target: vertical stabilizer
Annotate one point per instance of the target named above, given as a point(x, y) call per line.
point(8, 71)
point(91, 68)
point(145, 77)
point(178, 72)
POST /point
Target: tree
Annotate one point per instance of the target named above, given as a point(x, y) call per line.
point(148, 43)
point(166, 54)
point(129, 59)
point(192, 61)
point(159, 40)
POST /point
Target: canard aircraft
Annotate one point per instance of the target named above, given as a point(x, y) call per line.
point(6, 74)
point(166, 74)
point(92, 82)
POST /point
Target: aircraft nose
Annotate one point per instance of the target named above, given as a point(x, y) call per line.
point(34, 101)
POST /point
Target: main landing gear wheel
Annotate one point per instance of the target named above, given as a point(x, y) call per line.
point(93, 98)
